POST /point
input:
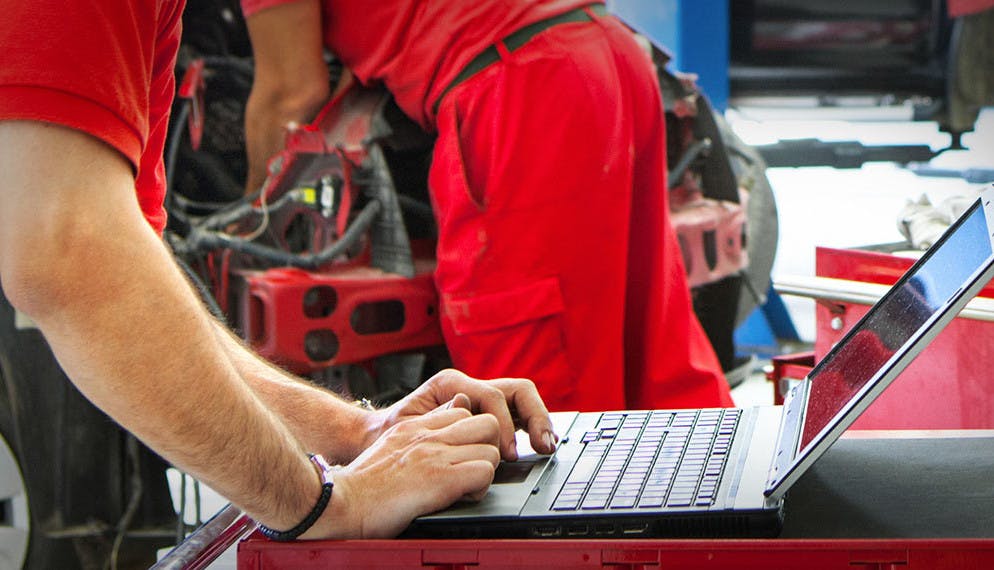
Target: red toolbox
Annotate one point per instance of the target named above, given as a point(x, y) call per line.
point(951, 383)
point(259, 554)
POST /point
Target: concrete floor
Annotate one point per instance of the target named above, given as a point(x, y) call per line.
point(821, 206)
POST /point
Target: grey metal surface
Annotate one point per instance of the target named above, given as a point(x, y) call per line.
point(896, 488)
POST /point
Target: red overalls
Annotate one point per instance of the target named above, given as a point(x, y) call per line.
point(556, 258)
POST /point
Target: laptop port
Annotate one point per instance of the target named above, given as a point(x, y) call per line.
point(577, 530)
point(604, 529)
point(634, 528)
point(547, 531)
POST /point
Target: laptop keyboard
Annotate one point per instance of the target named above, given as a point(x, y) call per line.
point(652, 459)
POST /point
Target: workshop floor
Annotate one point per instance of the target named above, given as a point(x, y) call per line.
point(817, 206)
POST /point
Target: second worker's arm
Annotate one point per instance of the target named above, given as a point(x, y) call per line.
point(291, 79)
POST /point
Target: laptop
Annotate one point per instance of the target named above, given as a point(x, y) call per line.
point(724, 472)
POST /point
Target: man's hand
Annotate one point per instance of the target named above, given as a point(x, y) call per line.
point(515, 403)
point(417, 466)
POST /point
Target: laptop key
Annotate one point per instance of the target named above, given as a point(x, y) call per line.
point(594, 502)
point(623, 502)
point(563, 505)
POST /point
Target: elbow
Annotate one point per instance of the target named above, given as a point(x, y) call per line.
point(29, 284)
point(41, 275)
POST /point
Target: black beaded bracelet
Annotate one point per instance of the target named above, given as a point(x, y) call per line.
point(327, 484)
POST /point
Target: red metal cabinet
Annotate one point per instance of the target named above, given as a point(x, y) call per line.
point(950, 385)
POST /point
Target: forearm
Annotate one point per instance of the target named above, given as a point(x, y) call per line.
point(265, 131)
point(273, 104)
point(290, 83)
point(159, 374)
point(125, 327)
point(322, 421)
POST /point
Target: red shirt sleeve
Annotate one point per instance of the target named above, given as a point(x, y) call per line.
point(250, 7)
point(105, 68)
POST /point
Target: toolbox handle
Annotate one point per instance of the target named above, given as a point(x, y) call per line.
point(860, 293)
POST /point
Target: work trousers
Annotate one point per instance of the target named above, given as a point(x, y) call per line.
point(556, 258)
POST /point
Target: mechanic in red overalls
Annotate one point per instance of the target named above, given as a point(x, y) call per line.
point(556, 258)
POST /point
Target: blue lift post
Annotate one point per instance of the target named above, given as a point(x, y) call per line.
point(696, 32)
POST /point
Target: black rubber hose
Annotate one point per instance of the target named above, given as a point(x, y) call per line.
point(205, 294)
point(691, 154)
point(171, 155)
point(236, 213)
point(416, 207)
point(202, 240)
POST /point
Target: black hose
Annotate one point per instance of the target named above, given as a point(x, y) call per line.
point(199, 285)
point(229, 215)
point(689, 156)
point(171, 155)
point(175, 204)
point(242, 64)
point(134, 502)
point(416, 207)
point(212, 171)
point(219, 179)
point(202, 240)
point(185, 203)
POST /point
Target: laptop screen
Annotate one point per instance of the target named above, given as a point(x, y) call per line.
point(895, 320)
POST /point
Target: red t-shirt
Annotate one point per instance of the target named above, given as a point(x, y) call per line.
point(417, 47)
point(105, 68)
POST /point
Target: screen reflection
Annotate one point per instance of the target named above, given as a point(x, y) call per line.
point(895, 320)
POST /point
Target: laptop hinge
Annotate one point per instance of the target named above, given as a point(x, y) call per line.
point(791, 425)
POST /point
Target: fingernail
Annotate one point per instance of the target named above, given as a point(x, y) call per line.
point(550, 441)
point(512, 450)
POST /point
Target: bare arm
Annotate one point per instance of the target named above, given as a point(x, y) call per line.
point(291, 79)
point(77, 256)
point(321, 420)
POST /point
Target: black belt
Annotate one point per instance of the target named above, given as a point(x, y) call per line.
point(517, 39)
